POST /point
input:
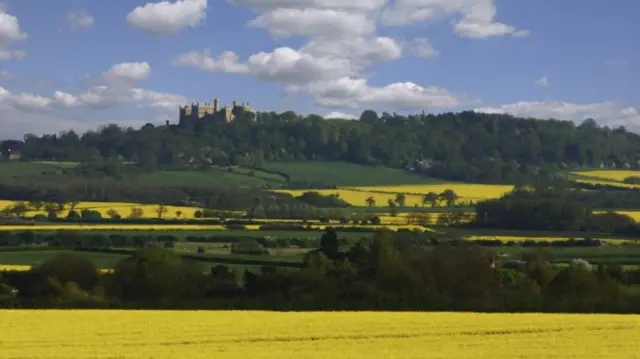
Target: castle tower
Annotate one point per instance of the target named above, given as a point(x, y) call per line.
point(216, 108)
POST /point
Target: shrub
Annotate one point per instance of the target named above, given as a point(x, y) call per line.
point(70, 267)
point(248, 246)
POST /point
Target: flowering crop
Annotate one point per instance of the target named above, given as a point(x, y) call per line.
point(611, 175)
point(264, 335)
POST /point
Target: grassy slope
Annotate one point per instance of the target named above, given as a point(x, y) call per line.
point(12, 171)
point(15, 170)
point(214, 177)
point(345, 174)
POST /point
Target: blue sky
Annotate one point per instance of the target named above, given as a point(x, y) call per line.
point(81, 63)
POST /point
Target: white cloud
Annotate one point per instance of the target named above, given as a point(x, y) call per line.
point(226, 62)
point(290, 66)
point(97, 97)
point(165, 18)
point(65, 99)
point(359, 50)
point(340, 115)
point(80, 19)
point(284, 64)
point(543, 81)
point(607, 113)
point(359, 5)
point(158, 100)
point(422, 47)
point(10, 33)
point(478, 16)
point(284, 22)
point(129, 71)
point(355, 93)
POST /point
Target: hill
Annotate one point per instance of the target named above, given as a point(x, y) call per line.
point(329, 174)
point(466, 146)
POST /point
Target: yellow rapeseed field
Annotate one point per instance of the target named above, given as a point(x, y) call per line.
point(466, 191)
point(611, 175)
point(24, 268)
point(176, 227)
point(123, 208)
point(357, 196)
point(14, 267)
point(607, 183)
point(115, 226)
point(547, 239)
point(72, 334)
point(633, 214)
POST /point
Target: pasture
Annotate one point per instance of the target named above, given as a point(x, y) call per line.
point(344, 174)
point(236, 177)
point(16, 170)
point(264, 335)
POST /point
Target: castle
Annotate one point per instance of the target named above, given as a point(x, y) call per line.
point(198, 111)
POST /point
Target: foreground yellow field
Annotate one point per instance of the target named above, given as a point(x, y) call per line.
point(244, 334)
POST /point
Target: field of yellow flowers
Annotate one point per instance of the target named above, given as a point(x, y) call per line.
point(607, 177)
point(122, 208)
point(610, 175)
point(546, 239)
point(264, 335)
point(414, 194)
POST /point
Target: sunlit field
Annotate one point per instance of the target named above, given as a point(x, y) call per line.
point(606, 183)
point(611, 175)
point(414, 194)
point(24, 268)
point(633, 214)
point(245, 334)
point(122, 208)
point(463, 190)
point(179, 227)
point(517, 239)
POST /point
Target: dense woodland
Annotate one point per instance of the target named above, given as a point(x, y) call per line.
point(464, 146)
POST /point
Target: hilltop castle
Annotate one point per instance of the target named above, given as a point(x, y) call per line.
point(198, 111)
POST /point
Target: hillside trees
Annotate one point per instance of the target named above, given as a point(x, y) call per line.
point(463, 146)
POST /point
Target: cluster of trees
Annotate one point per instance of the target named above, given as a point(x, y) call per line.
point(550, 214)
point(387, 272)
point(464, 146)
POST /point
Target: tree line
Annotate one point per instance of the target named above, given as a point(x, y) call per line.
point(386, 272)
point(465, 146)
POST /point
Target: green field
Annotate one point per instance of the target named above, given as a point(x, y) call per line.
point(34, 258)
point(351, 237)
point(109, 260)
point(240, 177)
point(16, 170)
point(344, 174)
